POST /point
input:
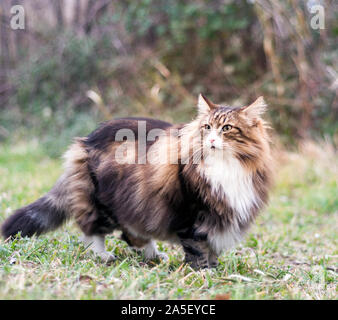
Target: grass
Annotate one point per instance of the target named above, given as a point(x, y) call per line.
point(290, 253)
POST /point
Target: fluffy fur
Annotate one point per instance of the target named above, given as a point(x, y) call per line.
point(205, 201)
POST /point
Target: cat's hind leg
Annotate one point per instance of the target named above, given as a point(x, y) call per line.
point(96, 244)
point(151, 252)
point(147, 245)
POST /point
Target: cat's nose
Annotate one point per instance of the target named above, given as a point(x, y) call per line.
point(212, 140)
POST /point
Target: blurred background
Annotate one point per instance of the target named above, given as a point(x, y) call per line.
point(79, 62)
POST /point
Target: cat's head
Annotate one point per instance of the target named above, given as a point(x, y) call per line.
point(240, 131)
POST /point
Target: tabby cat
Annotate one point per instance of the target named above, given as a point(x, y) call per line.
point(200, 184)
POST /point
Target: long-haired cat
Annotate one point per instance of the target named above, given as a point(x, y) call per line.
point(200, 184)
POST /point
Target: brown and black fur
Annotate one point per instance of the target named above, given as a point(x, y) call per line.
point(148, 201)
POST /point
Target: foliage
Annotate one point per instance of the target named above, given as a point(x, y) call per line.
point(154, 57)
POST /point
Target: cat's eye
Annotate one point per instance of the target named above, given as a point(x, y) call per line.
point(227, 127)
point(207, 126)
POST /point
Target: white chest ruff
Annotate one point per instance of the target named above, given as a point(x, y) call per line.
point(229, 179)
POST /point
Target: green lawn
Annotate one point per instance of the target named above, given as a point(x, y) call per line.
point(291, 252)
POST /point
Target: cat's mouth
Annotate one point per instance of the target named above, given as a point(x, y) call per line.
point(211, 147)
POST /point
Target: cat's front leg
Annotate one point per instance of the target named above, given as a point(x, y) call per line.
point(212, 259)
point(196, 253)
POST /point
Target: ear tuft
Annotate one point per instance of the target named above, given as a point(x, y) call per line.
point(256, 109)
point(204, 104)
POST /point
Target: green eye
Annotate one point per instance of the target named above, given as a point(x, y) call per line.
point(207, 126)
point(227, 127)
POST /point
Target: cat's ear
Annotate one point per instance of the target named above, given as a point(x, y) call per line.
point(205, 105)
point(255, 109)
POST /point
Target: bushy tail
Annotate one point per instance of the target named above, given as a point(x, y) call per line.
point(45, 214)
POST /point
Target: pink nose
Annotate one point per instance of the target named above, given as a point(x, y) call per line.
point(212, 140)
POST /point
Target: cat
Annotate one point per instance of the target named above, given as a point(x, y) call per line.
point(204, 197)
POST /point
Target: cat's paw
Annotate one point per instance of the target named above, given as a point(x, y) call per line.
point(213, 260)
point(106, 257)
point(157, 256)
point(197, 264)
point(151, 252)
point(213, 265)
point(162, 256)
